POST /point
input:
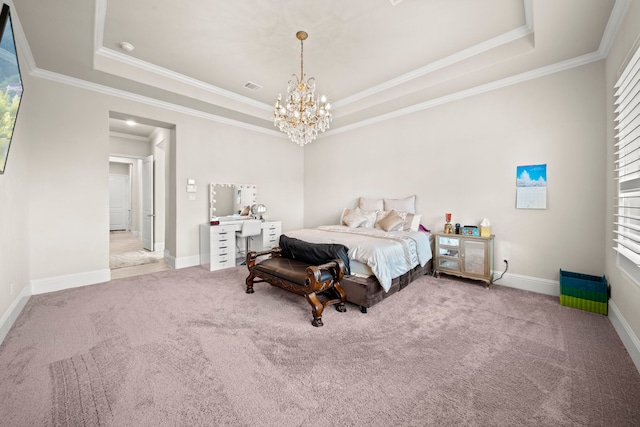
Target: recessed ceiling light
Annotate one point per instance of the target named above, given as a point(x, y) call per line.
point(394, 2)
point(127, 47)
point(131, 122)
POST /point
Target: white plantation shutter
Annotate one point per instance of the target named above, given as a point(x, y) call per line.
point(627, 160)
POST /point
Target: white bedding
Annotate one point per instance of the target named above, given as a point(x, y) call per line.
point(389, 254)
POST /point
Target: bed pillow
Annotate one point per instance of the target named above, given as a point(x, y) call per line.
point(391, 222)
point(371, 217)
point(411, 221)
point(353, 218)
point(407, 204)
point(370, 204)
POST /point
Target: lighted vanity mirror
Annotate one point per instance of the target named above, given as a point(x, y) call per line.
point(229, 200)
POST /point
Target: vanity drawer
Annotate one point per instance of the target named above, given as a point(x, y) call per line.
point(271, 234)
point(220, 231)
point(223, 261)
point(223, 247)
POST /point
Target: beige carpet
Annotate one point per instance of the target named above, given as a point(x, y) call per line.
point(190, 348)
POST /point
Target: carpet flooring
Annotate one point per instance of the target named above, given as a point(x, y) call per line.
point(190, 348)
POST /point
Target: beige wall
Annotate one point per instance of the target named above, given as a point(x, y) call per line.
point(461, 158)
point(625, 293)
point(71, 187)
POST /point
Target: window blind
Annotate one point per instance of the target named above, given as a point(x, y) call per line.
point(627, 160)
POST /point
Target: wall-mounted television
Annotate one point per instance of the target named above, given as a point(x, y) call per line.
point(10, 85)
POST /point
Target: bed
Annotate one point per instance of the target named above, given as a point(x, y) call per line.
point(386, 249)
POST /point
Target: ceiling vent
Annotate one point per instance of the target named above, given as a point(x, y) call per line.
point(252, 86)
point(394, 2)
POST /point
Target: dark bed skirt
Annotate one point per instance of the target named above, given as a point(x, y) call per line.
point(367, 291)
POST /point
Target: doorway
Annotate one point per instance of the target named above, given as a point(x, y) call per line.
point(137, 194)
point(119, 201)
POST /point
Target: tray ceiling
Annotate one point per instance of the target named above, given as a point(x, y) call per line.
point(371, 58)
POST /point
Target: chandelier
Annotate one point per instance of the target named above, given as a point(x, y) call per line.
point(301, 115)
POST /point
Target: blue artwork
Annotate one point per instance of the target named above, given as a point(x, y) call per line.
point(532, 176)
point(531, 187)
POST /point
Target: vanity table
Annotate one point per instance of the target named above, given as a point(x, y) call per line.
point(218, 244)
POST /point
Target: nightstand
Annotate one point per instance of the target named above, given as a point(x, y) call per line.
point(465, 256)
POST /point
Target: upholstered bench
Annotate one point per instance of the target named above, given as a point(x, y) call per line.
point(304, 268)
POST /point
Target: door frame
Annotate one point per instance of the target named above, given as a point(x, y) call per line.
point(148, 207)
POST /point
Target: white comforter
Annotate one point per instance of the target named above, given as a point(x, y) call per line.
point(389, 254)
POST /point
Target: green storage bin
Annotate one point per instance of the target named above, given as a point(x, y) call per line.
point(584, 292)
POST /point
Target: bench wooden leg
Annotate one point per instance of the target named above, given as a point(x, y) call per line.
point(316, 308)
point(249, 283)
point(343, 298)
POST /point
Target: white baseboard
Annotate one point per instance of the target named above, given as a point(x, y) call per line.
point(158, 246)
point(626, 334)
point(58, 283)
point(182, 262)
point(527, 283)
point(10, 316)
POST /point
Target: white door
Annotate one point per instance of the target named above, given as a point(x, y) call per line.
point(147, 203)
point(119, 208)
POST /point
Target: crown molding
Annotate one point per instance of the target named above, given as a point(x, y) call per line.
point(462, 55)
point(177, 77)
point(478, 90)
point(613, 25)
point(83, 84)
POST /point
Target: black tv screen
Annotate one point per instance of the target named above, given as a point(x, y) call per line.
point(10, 85)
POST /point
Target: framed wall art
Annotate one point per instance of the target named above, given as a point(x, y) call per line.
point(10, 85)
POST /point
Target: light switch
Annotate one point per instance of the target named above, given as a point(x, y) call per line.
point(191, 181)
point(192, 188)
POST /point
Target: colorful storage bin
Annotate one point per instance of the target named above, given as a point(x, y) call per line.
point(583, 291)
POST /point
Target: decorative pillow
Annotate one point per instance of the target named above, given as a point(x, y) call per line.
point(411, 221)
point(379, 216)
point(370, 217)
point(353, 218)
point(370, 204)
point(407, 204)
point(391, 222)
point(382, 214)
